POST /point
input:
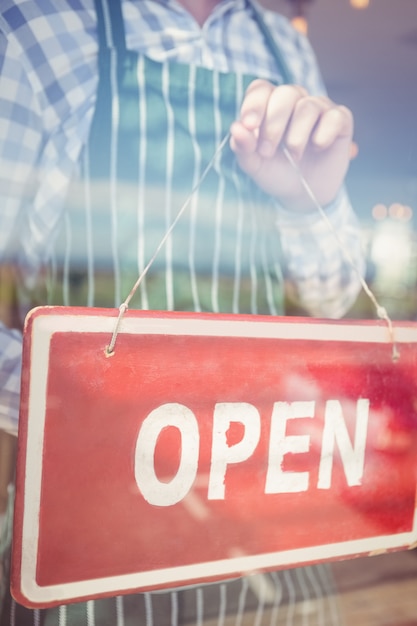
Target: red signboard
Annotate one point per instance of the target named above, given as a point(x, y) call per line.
point(207, 446)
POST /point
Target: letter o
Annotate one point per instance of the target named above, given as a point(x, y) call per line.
point(153, 490)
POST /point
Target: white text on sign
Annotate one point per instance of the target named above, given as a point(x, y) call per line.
point(335, 433)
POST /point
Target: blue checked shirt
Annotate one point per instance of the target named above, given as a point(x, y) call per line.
point(48, 81)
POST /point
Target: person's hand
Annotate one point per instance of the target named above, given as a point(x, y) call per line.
point(316, 131)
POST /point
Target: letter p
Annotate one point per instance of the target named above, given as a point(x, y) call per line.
point(222, 454)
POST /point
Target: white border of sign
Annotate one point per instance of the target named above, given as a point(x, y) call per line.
point(44, 327)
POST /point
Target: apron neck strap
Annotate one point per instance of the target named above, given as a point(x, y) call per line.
point(111, 32)
point(110, 25)
point(286, 74)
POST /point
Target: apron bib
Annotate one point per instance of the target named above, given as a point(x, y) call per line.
point(224, 254)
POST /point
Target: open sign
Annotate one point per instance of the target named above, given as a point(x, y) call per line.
point(207, 446)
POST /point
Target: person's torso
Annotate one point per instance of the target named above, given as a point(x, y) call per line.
point(156, 128)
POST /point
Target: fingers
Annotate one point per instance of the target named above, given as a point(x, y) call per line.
point(273, 115)
point(308, 114)
point(317, 122)
point(265, 114)
point(336, 123)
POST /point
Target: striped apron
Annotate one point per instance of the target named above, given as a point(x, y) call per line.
point(222, 256)
point(224, 253)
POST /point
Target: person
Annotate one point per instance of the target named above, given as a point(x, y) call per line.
point(110, 113)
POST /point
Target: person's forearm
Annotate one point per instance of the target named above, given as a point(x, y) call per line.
point(324, 258)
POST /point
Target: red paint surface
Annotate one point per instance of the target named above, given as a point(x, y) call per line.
point(95, 522)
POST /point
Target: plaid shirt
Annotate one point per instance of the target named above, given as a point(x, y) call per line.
point(48, 81)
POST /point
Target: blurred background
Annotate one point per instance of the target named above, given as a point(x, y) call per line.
point(367, 50)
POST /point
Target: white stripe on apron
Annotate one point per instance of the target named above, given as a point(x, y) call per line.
point(196, 177)
point(141, 187)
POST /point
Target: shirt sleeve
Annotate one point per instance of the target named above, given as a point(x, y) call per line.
point(47, 95)
point(325, 261)
point(20, 140)
point(40, 117)
point(48, 79)
point(10, 370)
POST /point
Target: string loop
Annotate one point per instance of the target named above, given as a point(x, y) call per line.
point(380, 310)
point(110, 348)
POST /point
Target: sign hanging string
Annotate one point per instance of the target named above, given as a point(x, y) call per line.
point(124, 306)
point(380, 310)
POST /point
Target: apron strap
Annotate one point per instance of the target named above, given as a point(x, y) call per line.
point(287, 76)
point(110, 25)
